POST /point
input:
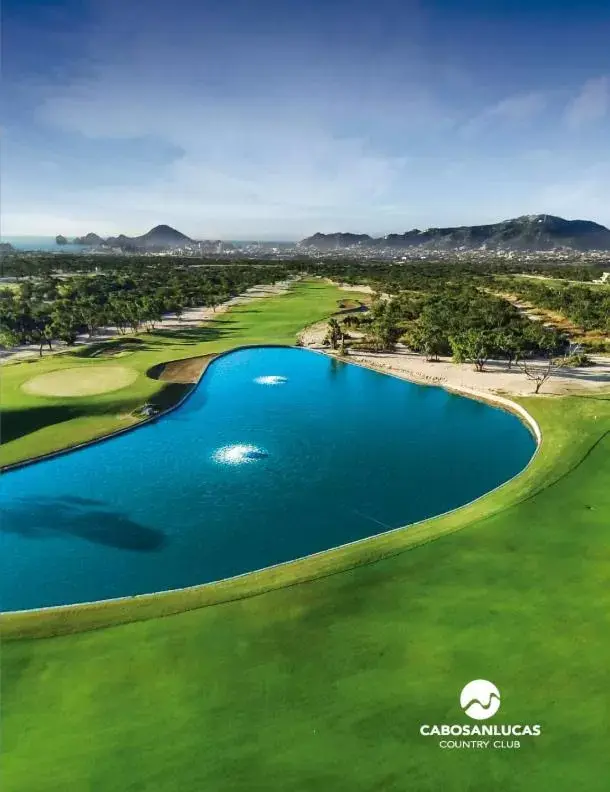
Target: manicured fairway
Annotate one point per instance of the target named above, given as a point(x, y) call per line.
point(323, 685)
point(33, 424)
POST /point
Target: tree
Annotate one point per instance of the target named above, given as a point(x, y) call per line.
point(334, 333)
point(65, 325)
point(8, 337)
point(381, 334)
point(118, 312)
point(26, 290)
point(42, 330)
point(539, 374)
point(22, 321)
point(425, 337)
point(89, 311)
point(510, 344)
point(546, 340)
point(152, 311)
point(472, 346)
point(353, 320)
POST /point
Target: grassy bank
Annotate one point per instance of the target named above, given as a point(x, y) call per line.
point(33, 425)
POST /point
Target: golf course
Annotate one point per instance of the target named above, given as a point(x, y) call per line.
point(63, 400)
point(317, 675)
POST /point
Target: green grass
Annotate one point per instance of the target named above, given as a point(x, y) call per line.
point(70, 383)
point(323, 685)
point(34, 425)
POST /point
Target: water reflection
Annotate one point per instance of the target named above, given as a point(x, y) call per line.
point(46, 518)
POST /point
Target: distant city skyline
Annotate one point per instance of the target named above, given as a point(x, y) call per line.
point(274, 120)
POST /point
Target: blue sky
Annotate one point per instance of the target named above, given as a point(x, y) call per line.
point(278, 118)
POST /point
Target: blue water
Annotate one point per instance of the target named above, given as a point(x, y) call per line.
point(48, 244)
point(248, 472)
point(42, 243)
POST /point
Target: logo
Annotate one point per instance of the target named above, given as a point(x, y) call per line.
point(480, 699)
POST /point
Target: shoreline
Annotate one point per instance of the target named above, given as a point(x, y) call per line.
point(57, 618)
point(497, 380)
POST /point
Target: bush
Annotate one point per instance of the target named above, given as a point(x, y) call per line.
point(596, 346)
point(577, 361)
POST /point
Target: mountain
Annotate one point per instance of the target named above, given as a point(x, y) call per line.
point(530, 232)
point(89, 239)
point(61, 240)
point(337, 240)
point(158, 238)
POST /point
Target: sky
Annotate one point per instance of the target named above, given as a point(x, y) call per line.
point(275, 119)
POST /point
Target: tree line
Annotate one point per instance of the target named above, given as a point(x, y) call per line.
point(49, 307)
point(18, 264)
point(436, 308)
point(457, 319)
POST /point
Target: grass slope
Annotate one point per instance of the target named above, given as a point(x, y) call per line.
point(33, 425)
point(323, 685)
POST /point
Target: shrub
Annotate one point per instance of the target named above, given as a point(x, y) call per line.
point(579, 360)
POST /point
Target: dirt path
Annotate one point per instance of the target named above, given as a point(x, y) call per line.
point(553, 319)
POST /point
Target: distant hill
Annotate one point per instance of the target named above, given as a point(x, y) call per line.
point(530, 232)
point(88, 239)
point(160, 237)
point(339, 239)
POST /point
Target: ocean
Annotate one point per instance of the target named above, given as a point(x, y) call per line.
point(48, 244)
point(42, 243)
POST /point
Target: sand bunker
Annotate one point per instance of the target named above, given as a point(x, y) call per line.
point(81, 381)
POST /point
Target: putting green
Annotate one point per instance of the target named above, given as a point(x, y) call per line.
point(81, 381)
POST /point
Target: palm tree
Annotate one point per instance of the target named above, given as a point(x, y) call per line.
point(334, 332)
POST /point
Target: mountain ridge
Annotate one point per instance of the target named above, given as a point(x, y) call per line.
point(527, 232)
point(159, 237)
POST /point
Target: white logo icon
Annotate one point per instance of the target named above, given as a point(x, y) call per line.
point(480, 699)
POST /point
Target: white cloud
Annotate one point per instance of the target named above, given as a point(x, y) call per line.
point(253, 162)
point(590, 105)
point(513, 110)
point(268, 126)
point(270, 133)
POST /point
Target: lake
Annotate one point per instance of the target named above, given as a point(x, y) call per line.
point(277, 454)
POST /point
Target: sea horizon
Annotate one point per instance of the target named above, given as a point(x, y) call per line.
point(48, 244)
